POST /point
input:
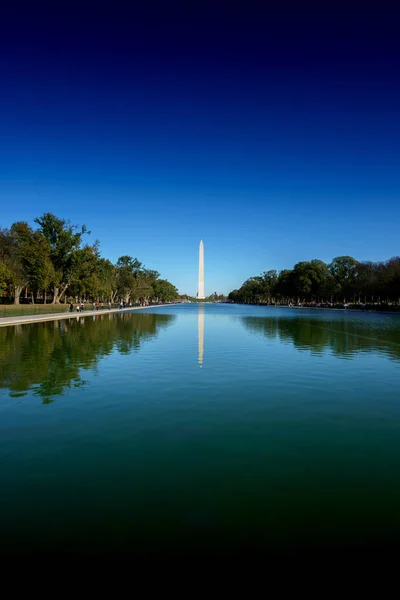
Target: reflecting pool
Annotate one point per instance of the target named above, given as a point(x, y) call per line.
point(200, 427)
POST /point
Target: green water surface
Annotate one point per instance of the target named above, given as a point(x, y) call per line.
point(200, 427)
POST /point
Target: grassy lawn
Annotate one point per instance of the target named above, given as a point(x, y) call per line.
point(15, 310)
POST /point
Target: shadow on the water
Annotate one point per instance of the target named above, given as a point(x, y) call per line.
point(344, 338)
point(49, 358)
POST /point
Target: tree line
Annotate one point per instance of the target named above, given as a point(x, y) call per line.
point(344, 280)
point(214, 297)
point(54, 261)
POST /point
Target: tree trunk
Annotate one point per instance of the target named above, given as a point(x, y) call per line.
point(33, 297)
point(44, 297)
point(63, 291)
point(55, 295)
point(26, 293)
point(17, 292)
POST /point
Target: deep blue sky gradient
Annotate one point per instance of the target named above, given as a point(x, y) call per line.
point(273, 136)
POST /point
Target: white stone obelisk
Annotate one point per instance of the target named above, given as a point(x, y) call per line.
point(200, 291)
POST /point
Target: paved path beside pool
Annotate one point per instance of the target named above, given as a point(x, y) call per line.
point(7, 321)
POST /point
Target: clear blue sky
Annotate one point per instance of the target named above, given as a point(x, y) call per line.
point(273, 139)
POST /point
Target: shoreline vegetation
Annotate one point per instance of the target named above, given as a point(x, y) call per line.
point(395, 309)
point(345, 283)
point(53, 262)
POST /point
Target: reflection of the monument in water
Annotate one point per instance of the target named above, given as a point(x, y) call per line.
point(200, 330)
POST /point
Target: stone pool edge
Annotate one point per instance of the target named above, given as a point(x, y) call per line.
point(22, 320)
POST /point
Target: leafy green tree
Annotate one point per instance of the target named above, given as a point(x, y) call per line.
point(5, 278)
point(32, 252)
point(84, 271)
point(128, 270)
point(19, 276)
point(366, 283)
point(252, 291)
point(392, 268)
point(107, 275)
point(64, 240)
point(311, 279)
point(344, 272)
point(270, 280)
point(145, 285)
point(6, 275)
point(234, 296)
point(164, 291)
point(285, 286)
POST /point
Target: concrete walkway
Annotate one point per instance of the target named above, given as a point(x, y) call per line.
point(8, 321)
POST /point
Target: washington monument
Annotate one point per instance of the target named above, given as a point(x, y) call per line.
point(200, 291)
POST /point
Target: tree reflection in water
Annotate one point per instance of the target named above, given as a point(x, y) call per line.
point(343, 337)
point(49, 358)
